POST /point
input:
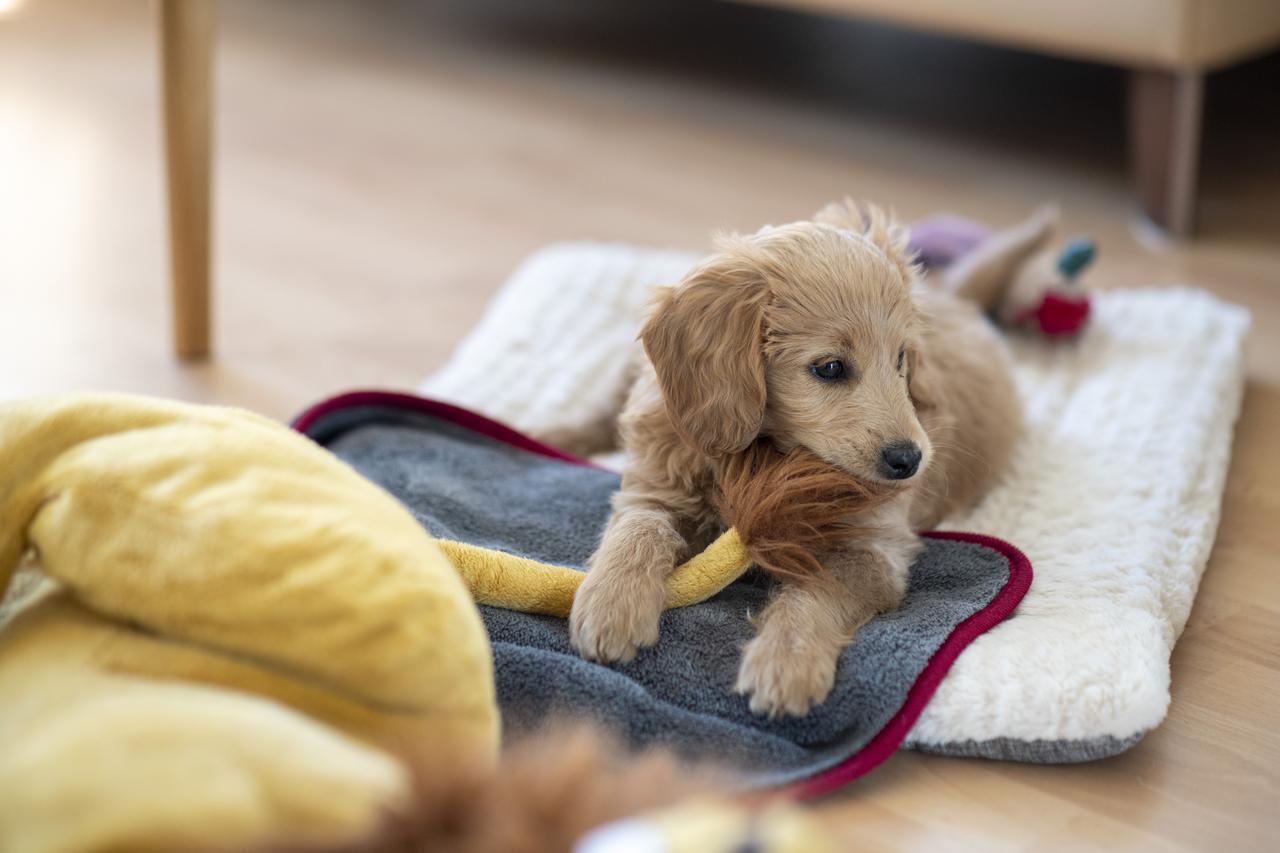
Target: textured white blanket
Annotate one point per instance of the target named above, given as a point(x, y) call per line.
point(1114, 493)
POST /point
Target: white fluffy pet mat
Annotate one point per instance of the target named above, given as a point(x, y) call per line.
point(1114, 493)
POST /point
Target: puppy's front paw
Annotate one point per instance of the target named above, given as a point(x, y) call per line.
point(783, 679)
point(608, 625)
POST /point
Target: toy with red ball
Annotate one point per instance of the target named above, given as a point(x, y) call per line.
point(1063, 308)
point(1014, 274)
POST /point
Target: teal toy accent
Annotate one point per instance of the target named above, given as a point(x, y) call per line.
point(1076, 257)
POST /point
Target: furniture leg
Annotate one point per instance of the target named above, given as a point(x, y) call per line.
point(1164, 142)
point(186, 46)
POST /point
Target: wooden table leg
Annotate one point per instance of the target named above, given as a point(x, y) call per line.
point(186, 47)
point(1164, 142)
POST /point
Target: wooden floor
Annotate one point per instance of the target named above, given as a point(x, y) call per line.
point(382, 166)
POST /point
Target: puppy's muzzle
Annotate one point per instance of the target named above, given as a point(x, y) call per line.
point(900, 460)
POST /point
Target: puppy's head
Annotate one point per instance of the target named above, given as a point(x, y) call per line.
point(805, 334)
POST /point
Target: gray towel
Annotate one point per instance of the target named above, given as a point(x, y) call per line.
point(471, 487)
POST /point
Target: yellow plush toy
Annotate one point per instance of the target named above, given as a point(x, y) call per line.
point(191, 549)
point(232, 637)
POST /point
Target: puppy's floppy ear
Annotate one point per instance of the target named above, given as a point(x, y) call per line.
point(920, 380)
point(705, 340)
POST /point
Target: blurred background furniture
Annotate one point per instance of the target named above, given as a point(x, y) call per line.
point(186, 47)
point(1169, 45)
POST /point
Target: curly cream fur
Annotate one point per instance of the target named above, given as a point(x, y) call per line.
point(729, 352)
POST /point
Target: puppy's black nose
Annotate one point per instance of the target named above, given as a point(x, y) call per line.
point(899, 460)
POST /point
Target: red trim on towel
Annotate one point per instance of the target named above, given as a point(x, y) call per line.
point(889, 738)
point(435, 408)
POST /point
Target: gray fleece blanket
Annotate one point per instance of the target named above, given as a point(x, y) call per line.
point(467, 479)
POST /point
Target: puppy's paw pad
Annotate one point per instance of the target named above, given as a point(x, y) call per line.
point(779, 684)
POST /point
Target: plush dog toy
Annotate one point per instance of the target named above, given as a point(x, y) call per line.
point(224, 637)
point(1015, 274)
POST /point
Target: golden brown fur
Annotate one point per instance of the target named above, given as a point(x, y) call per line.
point(549, 790)
point(789, 508)
point(731, 358)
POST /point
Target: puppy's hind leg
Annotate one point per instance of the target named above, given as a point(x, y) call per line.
point(596, 429)
point(595, 434)
point(617, 608)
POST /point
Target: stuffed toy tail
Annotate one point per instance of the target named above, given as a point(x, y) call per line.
point(568, 788)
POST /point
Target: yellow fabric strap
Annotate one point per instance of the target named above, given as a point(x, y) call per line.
point(518, 583)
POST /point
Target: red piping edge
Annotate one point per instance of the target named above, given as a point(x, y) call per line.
point(890, 737)
point(437, 409)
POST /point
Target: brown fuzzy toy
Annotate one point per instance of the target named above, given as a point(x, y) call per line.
point(549, 789)
point(788, 508)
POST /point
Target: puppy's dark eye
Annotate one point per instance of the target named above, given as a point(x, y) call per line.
point(828, 371)
point(902, 358)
